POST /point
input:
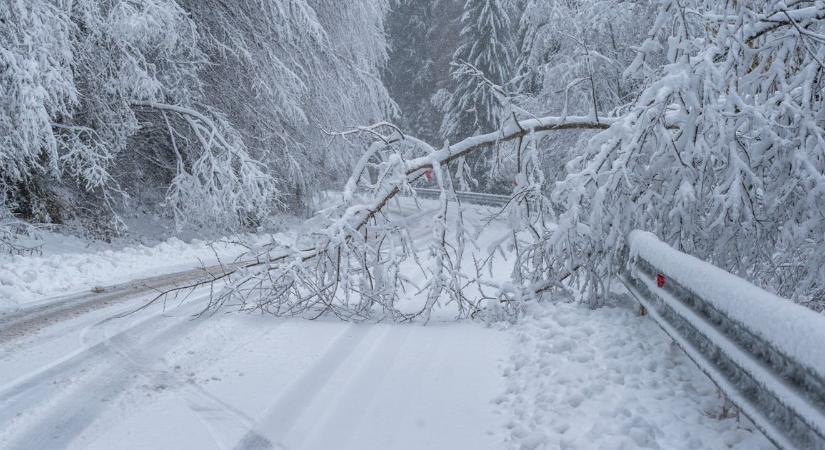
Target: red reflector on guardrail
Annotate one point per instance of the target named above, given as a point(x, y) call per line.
point(660, 280)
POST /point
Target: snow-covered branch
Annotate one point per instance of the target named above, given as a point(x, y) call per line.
point(738, 177)
point(222, 177)
point(351, 267)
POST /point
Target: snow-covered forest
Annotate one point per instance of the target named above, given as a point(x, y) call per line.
point(558, 170)
point(698, 121)
point(207, 113)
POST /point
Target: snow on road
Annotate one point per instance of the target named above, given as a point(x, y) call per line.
point(563, 377)
point(161, 380)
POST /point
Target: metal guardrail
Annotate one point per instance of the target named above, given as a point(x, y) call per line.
point(478, 198)
point(783, 397)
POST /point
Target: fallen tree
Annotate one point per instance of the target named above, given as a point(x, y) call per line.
point(351, 268)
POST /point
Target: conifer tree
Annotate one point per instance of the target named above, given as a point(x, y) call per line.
point(481, 63)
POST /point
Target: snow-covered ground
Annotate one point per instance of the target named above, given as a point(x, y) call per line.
point(608, 379)
point(160, 380)
point(68, 265)
point(564, 376)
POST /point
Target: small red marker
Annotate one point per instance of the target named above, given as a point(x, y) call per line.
point(660, 280)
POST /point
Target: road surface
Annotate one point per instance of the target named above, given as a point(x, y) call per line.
point(87, 371)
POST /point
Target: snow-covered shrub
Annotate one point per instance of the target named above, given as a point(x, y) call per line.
point(12, 232)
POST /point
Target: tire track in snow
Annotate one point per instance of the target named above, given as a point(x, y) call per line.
point(37, 385)
point(118, 363)
point(340, 414)
point(221, 419)
point(418, 360)
point(280, 417)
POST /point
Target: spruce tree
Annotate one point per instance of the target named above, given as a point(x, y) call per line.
point(481, 62)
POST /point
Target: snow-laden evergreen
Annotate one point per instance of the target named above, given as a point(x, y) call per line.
point(421, 39)
point(481, 64)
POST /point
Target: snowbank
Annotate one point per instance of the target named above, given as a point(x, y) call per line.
point(793, 329)
point(25, 279)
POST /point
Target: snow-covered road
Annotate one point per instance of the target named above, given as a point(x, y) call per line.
point(161, 380)
point(157, 378)
point(565, 376)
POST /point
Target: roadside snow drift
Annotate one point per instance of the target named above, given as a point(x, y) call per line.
point(25, 279)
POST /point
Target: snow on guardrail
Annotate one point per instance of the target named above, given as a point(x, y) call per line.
point(765, 352)
point(479, 198)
